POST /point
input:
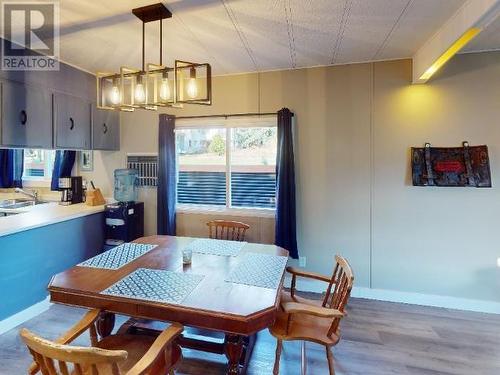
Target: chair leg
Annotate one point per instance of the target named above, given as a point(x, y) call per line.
point(329, 356)
point(303, 360)
point(279, 347)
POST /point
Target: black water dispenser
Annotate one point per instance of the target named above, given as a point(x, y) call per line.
point(124, 222)
point(124, 219)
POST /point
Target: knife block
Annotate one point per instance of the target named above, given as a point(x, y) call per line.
point(95, 198)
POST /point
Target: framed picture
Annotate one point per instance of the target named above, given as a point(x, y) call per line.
point(87, 161)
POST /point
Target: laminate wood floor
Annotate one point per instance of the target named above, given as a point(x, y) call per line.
point(378, 338)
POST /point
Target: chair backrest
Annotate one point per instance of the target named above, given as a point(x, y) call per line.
point(227, 230)
point(55, 359)
point(339, 289)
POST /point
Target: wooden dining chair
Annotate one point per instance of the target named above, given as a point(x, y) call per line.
point(120, 354)
point(227, 230)
point(310, 320)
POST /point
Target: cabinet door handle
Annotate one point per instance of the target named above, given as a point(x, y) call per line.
point(23, 117)
point(104, 128)
point(72, 123)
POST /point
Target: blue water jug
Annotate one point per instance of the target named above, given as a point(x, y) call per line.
point(126, 183)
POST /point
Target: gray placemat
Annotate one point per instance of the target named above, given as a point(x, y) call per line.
point(216, 247)
point(259, 270)
point(118, 256)
point(155, 285)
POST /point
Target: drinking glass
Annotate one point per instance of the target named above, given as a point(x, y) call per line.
point(187, 255)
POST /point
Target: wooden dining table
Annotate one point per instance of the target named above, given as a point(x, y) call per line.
point(237, 310)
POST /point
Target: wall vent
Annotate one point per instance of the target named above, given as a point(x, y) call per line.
point(147, 165)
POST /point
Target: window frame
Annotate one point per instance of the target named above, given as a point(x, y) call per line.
point(37, 181)
point(226, 123)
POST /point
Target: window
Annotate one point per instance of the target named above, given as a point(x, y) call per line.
point(253, 167)
point(38, 165)
point(230, 163)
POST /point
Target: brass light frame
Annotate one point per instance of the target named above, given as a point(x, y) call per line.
point(102, 78)
point(150, 73)
point(154, 76)
point(181, 66)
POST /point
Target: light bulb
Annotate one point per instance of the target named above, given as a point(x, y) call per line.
point(165, 90)
point(192, 89)
point(115, 95)
point(140, 94)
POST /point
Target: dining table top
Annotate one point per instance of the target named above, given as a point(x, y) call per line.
point(214, 303)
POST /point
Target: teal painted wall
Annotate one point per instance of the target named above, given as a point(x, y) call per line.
point(29, 259)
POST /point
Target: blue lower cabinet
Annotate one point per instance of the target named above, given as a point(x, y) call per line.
point(29, 259)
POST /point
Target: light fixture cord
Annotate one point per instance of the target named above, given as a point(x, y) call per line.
point(161, 42)
point(143, 45)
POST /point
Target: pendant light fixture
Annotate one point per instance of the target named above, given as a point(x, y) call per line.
point(155, 84)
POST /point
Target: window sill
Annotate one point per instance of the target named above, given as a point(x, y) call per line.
point(208, 210)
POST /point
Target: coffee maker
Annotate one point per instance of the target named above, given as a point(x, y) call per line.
point(71, 189)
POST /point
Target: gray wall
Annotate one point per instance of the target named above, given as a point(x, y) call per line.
point(67, 79)
point(436, 240)
point(354, 126)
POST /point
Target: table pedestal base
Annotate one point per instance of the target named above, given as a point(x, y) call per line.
point(238, 349)
point(105, 323)
point(234, 353)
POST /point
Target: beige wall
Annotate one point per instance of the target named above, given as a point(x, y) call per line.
point(354, 127)
point(195, 225)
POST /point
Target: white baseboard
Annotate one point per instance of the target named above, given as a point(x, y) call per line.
point(25, 315)
point(408, 297)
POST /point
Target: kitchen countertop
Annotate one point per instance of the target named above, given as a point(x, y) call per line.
point(44, 214)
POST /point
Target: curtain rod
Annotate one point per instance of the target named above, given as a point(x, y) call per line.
point(229, 115)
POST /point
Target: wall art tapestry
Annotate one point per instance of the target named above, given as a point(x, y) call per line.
point(451, 166)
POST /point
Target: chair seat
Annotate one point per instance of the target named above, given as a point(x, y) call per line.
point(136, 346)
point(302, 326)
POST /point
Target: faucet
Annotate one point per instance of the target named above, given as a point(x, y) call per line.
point(33, 194)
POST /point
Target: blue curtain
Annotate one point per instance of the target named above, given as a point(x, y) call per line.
point(63, 164)
point(286, 230)
point(11, 168)
point(167, 176)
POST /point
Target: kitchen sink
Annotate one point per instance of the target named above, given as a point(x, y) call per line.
point(19, 203)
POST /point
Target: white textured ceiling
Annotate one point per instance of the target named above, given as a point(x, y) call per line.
point(252, 35)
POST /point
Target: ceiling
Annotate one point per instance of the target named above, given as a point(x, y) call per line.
point(487, 40)
point(255, 35)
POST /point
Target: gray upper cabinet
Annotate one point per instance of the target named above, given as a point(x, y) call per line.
point(72, 122)
point(53, 109)
point(26, 113)
point(105, 130)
